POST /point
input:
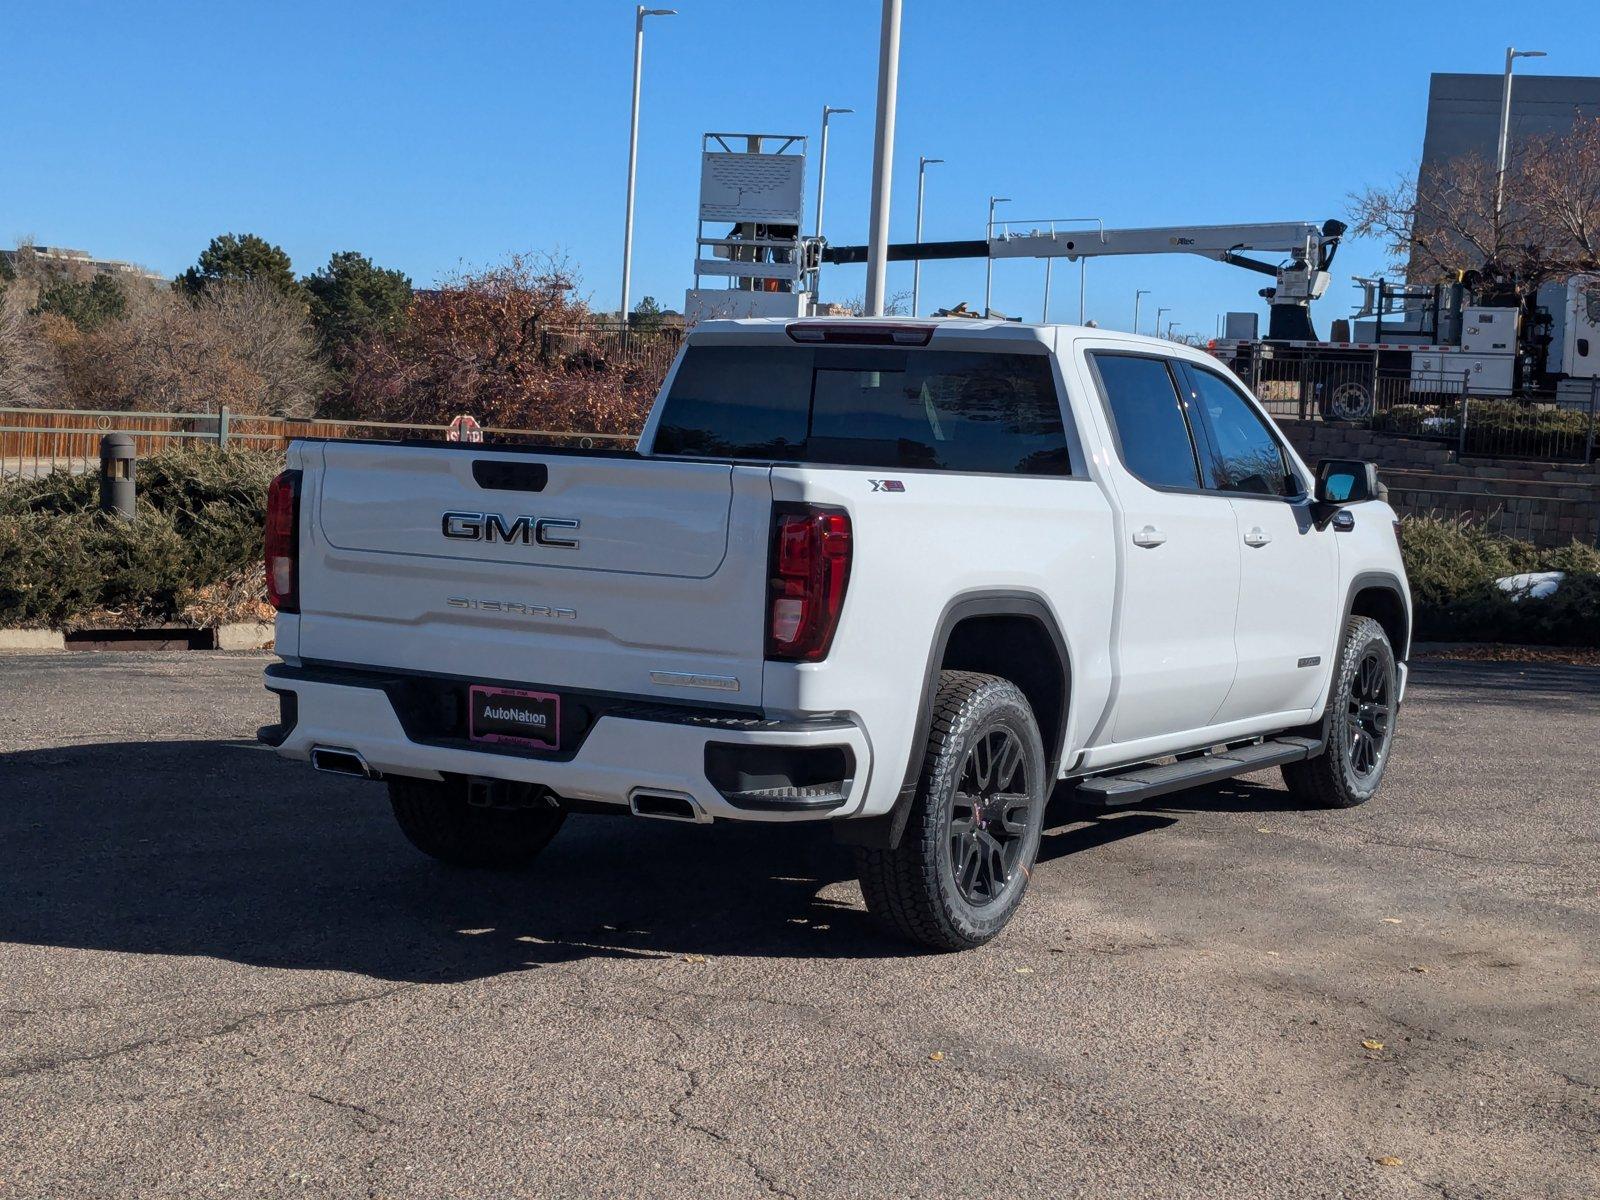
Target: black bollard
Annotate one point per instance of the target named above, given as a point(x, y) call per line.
point(117, 475)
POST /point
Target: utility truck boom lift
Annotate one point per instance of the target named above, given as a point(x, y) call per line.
point(1300, 280)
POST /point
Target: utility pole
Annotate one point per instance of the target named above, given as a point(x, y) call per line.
point(923, 163)
point(633, 145)
point(883, 159)
point(1137, 296)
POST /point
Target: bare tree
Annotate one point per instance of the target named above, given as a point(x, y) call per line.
point(1447, 219)
point(1561, 194)
point(28, 375)
point(268, 334)
point(897, 305)
point(243, 345)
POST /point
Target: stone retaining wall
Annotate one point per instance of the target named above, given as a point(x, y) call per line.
point(1546, 503)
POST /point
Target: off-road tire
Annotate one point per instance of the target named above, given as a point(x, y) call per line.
point(912, 890)
point(1331, 779)
point(437, 819)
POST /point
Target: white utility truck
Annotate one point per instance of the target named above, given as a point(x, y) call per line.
point(905, 577)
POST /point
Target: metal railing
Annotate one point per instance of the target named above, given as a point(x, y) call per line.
point(37, 441)
point(1436, 399)
point(1536, 514)
point(641, 351)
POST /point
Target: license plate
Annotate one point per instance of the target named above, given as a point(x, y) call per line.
point(514, 717)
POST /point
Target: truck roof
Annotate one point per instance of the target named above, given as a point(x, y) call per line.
point(946, 330)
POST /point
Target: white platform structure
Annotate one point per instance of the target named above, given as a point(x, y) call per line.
point(752, 197)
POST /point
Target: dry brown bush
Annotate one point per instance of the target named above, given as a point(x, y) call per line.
point(29, 377)
point(477, 344)
point(244, 345)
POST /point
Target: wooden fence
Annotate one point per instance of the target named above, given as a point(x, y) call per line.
point(35, 441)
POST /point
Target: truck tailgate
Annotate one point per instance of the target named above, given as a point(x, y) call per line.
point(608, 574)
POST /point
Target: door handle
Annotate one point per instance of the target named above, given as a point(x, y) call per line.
point(1257, 537)
point(1149, 537)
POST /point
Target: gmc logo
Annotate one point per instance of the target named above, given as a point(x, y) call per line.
point(514, 531)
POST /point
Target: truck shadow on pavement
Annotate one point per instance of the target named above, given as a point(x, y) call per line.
point(218, 848)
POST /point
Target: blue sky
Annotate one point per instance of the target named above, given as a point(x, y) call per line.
point(429, 135)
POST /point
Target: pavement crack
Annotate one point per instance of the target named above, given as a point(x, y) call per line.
point(1491, 860)
point(45, 1065)
point(365, 1118)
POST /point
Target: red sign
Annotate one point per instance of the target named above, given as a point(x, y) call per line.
point(464, 428)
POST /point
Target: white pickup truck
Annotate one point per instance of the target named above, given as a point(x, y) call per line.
point(903, 577)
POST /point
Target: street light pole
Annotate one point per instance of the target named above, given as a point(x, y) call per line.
point(1156, 332)
point(923, 162)
point(1137, 296)
point(988, 275)
point(883, 159)
point(633, 145)
point(822, 161)
point(822, 186)
point(1171, 325)
point(1512, 54)
point(1083, 271)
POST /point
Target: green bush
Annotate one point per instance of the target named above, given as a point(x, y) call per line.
point(199, 524)
point(1452, 566)
point(1447, 559)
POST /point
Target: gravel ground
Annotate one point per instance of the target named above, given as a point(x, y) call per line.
point(221, 973)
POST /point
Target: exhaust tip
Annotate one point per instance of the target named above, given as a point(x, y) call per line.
point(667, 806)
point(341, 762)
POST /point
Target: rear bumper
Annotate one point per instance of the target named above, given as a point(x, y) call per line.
point(619, 757)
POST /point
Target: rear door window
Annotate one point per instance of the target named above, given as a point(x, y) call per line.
point(869, 407)
point(1148, 418)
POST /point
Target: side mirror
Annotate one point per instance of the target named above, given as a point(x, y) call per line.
point(1342, 481)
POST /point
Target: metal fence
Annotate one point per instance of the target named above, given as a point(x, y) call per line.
point(36, 441)
point(640, 352)
point(1544, 514)
point(1440, 401)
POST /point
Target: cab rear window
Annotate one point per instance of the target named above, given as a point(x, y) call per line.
point(868, 407)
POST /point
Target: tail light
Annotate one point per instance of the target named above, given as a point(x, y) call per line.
point(283, 542)
point(810, 569)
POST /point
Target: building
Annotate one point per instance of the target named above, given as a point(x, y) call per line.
point(1464, 123)
point(1464, 112)
point(79, 263)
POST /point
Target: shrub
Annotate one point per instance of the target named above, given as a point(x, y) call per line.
point(1453, 565)
point(1446, 559)
point(483, 343)
point(193, 547)
point(46, 574)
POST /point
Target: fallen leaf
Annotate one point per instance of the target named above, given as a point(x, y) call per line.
point(937, 1056)
point(1420, 970)
point(1393, 921)
point(1372, 1044)
point(694, 958)
point(1389, 1160)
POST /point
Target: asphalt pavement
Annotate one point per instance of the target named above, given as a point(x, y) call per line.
point(222, 974)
